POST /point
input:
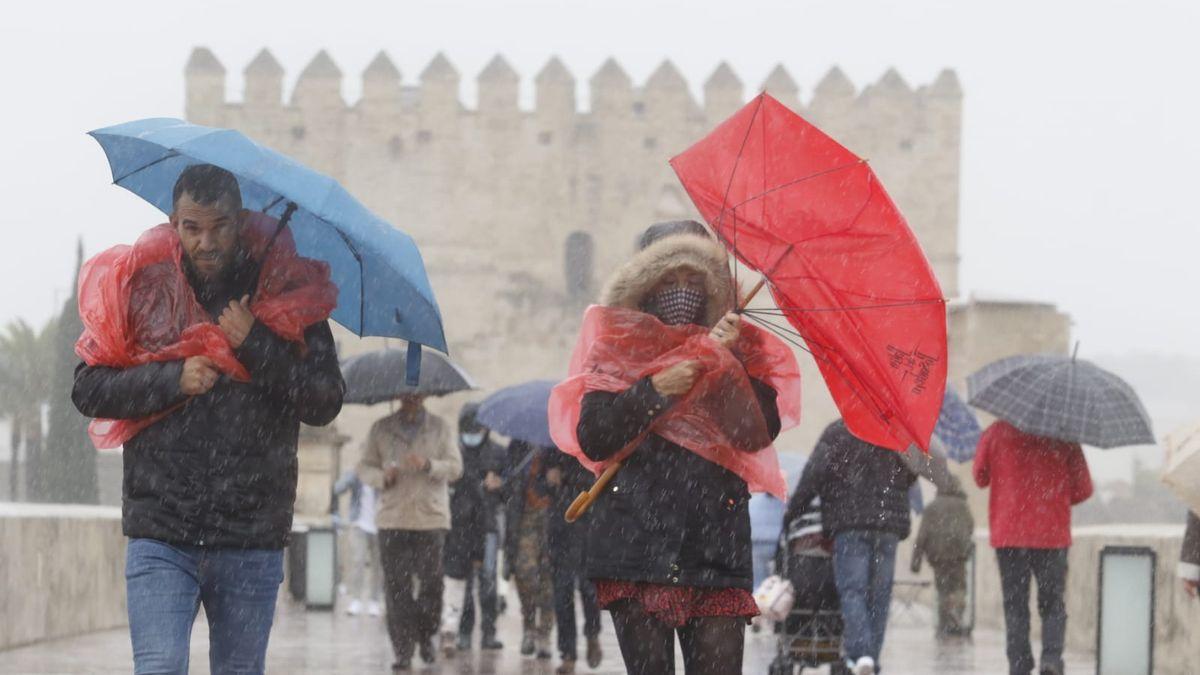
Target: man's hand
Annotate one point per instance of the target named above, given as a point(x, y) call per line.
point(676, 380)
point(492, 482)
point(1191, 586)
point(414, 463)
point(554, 476)
point(727, 330)
point(390, 475)
point(199, 375)
point(236, 321)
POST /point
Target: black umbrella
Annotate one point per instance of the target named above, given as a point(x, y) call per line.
point(380, 376)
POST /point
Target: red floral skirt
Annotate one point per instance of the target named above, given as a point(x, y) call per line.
point(675, 605)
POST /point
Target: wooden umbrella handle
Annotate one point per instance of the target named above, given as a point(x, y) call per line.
point(585, 499)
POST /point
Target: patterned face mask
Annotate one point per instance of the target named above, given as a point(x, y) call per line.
point(678, 305)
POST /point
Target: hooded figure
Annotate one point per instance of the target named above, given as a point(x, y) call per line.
point(669, 543)
point(945, 538)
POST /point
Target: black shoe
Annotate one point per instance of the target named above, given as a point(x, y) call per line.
point(544, 654)
point(527, 646)
point(490, 643)
point(402, 666)
point(464, 642)
point(428, 653)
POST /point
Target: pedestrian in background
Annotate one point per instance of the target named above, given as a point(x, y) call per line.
point(526, 552)
point(865, 510)
point(1034, 482)
point(364, 583)
point(565, 479)
point(945, 538)
point(410, 458)
point(484, 461)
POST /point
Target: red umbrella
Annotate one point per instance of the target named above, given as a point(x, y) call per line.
point(842, 264)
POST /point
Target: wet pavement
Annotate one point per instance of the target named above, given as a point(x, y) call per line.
point(325, 642)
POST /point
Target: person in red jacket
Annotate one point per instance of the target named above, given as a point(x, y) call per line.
point(1034, 483)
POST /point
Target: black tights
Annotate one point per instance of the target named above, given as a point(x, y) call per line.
point(711, 645)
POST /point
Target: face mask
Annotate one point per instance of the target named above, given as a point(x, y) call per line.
point(678, 305)
point(471, 440)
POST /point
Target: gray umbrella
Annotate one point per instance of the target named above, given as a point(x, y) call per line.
point(379, 376)
point(1063, 398)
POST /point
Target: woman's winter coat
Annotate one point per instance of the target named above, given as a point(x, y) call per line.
point(669, 516)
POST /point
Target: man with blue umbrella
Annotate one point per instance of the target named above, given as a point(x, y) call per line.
point(205, 345)
point(204, 351)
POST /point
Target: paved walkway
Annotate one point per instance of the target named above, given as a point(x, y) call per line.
point(324, 642)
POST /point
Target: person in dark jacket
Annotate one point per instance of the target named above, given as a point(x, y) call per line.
point(669, 542)
point(945, 538)
point(864, 509)
point(208, 489)
point(565, 478)
point(472, 543)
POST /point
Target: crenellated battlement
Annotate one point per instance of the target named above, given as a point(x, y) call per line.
point(665, 92)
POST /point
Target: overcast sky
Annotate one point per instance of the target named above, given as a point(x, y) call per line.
point(1081, 123)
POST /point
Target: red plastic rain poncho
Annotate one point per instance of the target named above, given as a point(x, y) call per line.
point(617, 347)
point(137, 307)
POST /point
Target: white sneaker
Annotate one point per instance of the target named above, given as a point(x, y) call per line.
point(374, 608)
point(864, 666)
point(355, 608)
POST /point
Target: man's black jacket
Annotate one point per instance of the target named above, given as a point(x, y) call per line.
point(221, 470)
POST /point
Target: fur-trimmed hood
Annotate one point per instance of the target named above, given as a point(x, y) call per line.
point(631, 283)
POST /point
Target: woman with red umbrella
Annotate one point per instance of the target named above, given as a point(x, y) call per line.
point(669, 543)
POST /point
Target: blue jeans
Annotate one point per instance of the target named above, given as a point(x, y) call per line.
point(165, 585)
point(864, 564)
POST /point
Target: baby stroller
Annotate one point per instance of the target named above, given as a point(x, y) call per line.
point(811, 635)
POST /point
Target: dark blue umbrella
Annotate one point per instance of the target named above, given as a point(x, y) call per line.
point(519, 412)
point(957, 428)
point(382, 286)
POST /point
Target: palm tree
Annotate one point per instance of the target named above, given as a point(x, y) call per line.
point(26, 364)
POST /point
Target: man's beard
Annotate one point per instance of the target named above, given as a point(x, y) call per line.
point(208, 285)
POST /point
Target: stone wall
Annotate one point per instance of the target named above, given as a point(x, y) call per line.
point(62, 571)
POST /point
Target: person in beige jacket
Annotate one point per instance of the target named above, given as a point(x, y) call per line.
point(410, 459)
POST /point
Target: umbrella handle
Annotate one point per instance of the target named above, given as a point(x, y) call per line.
point(750, 296)
point(585, 499)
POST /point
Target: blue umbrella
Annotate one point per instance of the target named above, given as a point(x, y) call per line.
point(382, 286)
point(519, 412)
point(957, 428)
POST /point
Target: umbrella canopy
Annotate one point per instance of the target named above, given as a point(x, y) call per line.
point(845, 270)
point(519, 412)
point(381, 376)
point(382, 286)
point(957, 428)
point(1182, 470)
point(1062, 398)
